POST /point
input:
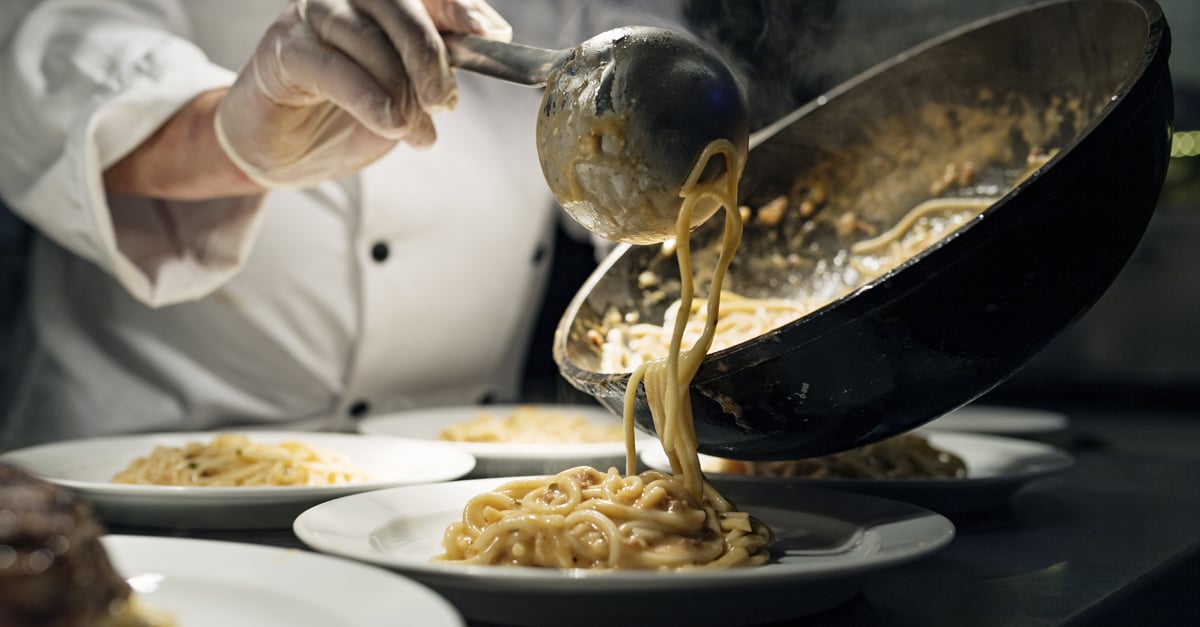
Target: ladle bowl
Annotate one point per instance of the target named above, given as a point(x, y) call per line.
point(1087, 79)
point(621, 126)
point(623, 119)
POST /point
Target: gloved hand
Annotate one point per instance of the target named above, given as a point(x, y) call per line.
point(335, 84)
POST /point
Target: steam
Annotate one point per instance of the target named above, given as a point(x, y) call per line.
point(788, 52)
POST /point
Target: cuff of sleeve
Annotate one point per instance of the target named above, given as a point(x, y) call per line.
point(162, 252)
point(169, 252)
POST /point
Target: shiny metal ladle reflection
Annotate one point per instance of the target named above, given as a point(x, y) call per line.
point(624, 117)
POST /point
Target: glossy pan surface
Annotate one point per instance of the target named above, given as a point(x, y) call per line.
point(1087, 79)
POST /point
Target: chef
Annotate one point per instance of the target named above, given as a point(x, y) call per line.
point(290, 214)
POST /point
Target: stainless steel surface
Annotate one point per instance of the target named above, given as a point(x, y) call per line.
point(515, 63)
point(623, 119)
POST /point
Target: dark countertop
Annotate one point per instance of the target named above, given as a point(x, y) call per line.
point(1115, 540)
point(1066, 548)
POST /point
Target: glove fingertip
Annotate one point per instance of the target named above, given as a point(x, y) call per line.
point(446, 105)
point(423, 134)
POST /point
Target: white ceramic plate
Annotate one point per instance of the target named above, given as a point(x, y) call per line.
point(825, 541)
point(86, 466)
point(497, 459)
point(996, 468)
point(999, 420)
point(206, 582)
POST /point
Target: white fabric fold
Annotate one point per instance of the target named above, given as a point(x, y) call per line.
point(84, 99)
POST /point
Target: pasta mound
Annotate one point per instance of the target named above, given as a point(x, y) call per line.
point(584, 518)
point(528, 424)
point(908, 456)
point(235, 460)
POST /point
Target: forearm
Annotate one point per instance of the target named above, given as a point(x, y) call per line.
point(181, 160)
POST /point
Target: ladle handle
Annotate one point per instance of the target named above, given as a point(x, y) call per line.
point(516, 63)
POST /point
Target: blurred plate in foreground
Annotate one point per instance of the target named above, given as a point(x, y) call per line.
point(205, 582)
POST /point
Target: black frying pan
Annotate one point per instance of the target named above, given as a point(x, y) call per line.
point(1086, 77)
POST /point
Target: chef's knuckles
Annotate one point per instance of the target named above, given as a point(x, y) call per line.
point(334, 84)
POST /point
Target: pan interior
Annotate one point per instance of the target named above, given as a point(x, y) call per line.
point(960, 118)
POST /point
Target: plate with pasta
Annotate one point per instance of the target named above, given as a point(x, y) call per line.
point(944, 471)
point(208, 582)
point(516, 439)
point(823, 542)
point(233, 480)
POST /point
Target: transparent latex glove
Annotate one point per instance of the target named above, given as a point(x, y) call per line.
point(335, 84)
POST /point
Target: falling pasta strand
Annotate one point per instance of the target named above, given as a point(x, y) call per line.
point(585, 518)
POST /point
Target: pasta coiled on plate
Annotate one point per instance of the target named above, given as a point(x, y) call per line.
point(235, 460)
point(585, 518)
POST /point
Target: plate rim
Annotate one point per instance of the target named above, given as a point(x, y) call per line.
point(506, 450)
point(118, 546)
point(259, 494)
point(630, 580)
point(1057, 460)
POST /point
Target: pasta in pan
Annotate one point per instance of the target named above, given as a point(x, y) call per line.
point(625, 345)
point(740, 318)
point(235, 460)
point(585, 518)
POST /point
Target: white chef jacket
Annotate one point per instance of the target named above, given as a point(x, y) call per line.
point(410, 284)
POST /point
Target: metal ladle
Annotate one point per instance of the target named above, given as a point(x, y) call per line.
point(624, 117)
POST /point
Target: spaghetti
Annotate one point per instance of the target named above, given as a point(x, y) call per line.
point(740, 318)
point(908, 456)
point(626, 345)
point(585, 518)
point(235, 460)
point(528, 424)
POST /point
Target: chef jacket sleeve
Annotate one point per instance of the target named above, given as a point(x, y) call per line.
point(84, 84)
